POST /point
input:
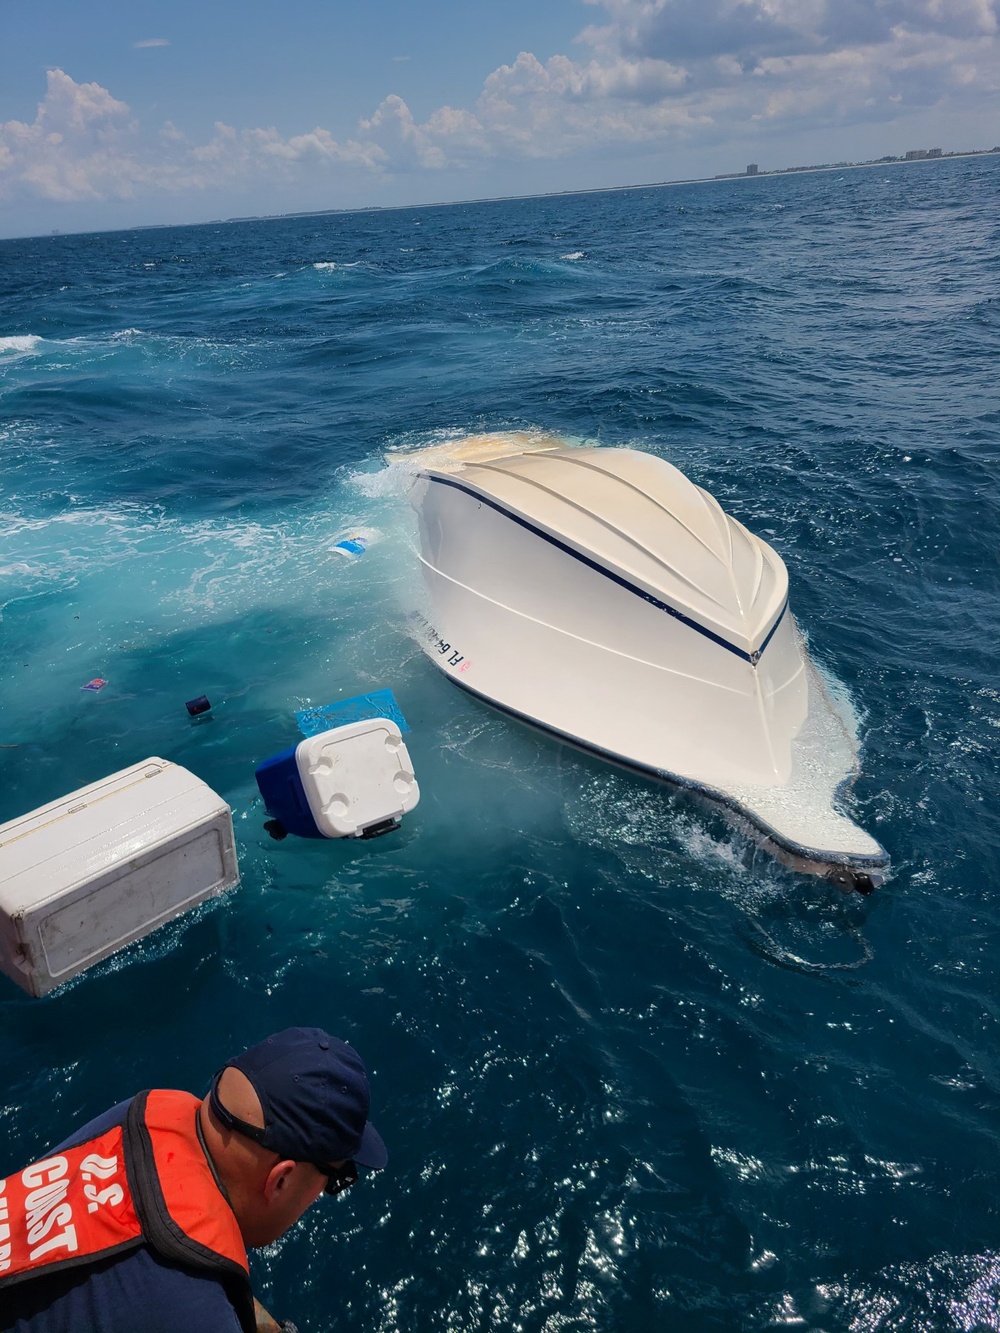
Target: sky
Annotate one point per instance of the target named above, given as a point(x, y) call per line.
point(121, 113)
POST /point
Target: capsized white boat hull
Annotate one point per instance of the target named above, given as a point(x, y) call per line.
point(600, 595)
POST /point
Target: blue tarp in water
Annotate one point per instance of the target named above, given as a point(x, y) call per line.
point(379, 703)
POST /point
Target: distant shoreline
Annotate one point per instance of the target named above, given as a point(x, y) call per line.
point(594, 189)
point(514, 198)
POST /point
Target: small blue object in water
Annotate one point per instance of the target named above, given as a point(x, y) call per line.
point(352, 546)
point(380, 703)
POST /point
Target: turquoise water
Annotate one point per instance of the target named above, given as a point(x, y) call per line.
point(632, 1074)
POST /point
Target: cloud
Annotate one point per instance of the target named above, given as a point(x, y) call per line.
point(250, 147)
point(864, 82)
point(653, 74)
point(449, 137)
point(669, 72)
point(76, 148)
point(750, 30)
point(84, 144)
point(151, 41)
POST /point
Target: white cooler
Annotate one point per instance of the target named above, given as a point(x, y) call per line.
point(89, 873)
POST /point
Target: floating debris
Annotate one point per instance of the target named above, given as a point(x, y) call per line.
point(358, 708)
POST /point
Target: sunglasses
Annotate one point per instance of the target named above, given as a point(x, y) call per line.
point(339, 1178)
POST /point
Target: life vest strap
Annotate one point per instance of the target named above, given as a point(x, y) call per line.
point(160, 1229)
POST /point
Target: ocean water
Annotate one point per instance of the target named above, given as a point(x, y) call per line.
point(632, 1074)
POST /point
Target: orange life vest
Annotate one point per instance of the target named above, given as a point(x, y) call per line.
point(147, 1181)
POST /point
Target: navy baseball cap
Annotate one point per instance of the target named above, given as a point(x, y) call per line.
point(313, 1090)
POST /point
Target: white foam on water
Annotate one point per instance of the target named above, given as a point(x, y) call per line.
point(20, 343)
point(446, 448)
point(146, 599)
point(807, 809)
point(849, 712)
point(137, 561)
point(452, 450)
point(131, 343)
point(645, 827)
point(573, 255)
point(657, 835)
point(358, 530)
point(393, 480)
point(728, 851)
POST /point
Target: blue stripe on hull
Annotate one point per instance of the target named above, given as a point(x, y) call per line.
point(752, 658)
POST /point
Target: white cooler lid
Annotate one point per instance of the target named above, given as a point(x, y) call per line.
point(356, 776)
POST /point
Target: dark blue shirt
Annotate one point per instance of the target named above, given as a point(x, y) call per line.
point(136, 1292)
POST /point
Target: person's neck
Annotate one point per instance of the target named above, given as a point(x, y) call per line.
point(234, 1175)
point(202, 1117)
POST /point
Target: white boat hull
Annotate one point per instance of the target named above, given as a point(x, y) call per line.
point(556, 593)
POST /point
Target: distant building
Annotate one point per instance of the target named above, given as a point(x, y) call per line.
point(752, 169)
point(915, 154)
point(934, 152)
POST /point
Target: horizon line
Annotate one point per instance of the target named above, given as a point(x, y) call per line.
point(887, 161)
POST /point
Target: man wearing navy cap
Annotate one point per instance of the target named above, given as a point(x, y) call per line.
point(142, 1220)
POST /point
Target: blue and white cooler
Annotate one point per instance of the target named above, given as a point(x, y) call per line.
point(354, 781)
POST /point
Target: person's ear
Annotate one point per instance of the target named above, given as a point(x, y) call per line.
point(277, 1178)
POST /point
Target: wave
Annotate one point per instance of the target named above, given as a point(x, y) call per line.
point(20, 343)
point(126, 349)
point(518, 269)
